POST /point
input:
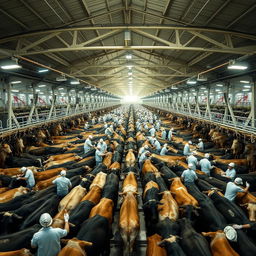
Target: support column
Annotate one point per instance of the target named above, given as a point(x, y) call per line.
point(11, 115)
point(228, 106)
point(33, 107)
point(208, 108)
point(53, 104)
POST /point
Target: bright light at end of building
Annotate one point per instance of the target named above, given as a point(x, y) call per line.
point(131, 99)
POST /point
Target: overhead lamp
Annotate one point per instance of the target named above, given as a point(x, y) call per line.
point(75, 82)
point(191, 82)
point(10, 64)
point(15, 82)
point(127, 35)
point(42, 85)
point(37, 90)
point(174, 88)
point(128, 56)
point(217, 90)
point(129, 66)
point(15, 90)
point(244, 82)
point(203, 88)
point(130, 78)
point(43, 70)
point(201, 78)
point(193, 90)
point(61, 78)
point(236, 65)
point(130, 73)
point(206, 91)
point(61, 88)
point(247, 86)
point(219, 85)
point(246, 90)
point(41, 93)
point(93, 89)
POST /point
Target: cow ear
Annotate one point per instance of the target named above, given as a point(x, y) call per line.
point(84, 244)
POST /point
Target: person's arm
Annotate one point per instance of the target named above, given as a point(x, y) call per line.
point(235, 226)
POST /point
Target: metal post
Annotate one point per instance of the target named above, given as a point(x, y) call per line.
point(33, 107)
point(253, 102)
point(197, 107)
point(53, 104)
point(11, 115)
point(208, 108)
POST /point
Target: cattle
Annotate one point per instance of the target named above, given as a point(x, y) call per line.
point(172, 247)
point(219, 244)
point(250, 156)
point(192, 242)
point(130, 159)
point(72, 199)
point(95, 230)
point(249, 201)
point(108, 159)
point(10, 194)
point(59, 157)
point(130, 183)
point(44, 183)
point(5, 151)
point(111, 187)
point(153, 248)
point(93, 195)
point(74, 247)
point(21, 252)
point(168, 159)
point(61, 162)
point(148, 167)
point(99, 180)
point(39, 176)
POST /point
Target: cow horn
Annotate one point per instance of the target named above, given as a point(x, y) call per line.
point(17, 216)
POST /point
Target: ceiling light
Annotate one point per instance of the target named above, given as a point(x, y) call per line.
point(130, 73)
point(128, 56)
point(130, 78)
point(75, 82)
point(37, 90)
point(61, 78)
point(130, 67)
point(43, 70)
point(246, 90)
point(14, 66)
point(191, 82)
point(93, 89)
point(10, 64)
point(81, 91)
point(42, 85)
point(15, 90)
point(15, 82)
point(217, 90)
point(193, 90)
point(41, 93)
point(247, 86)
point(203, 88)
point(174, 88)
point(219, 85)
point(244, 82)
point(201, 78)
point(236, 65)
point(127, 35)
point(61, 88)
point(206, 91)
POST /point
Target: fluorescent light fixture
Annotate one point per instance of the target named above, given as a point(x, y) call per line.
point(130, 73)
point(13, 66)
point(42, 85)
point(41, 93)
point(15, 90)
point(174, 88)
point(205, 91)
point(37, 90)
point(75, 82)
point(130, 78)
point(236, 65)
point(43, 70)
point(219, 85)
point(15, 82)
point(246, 90)
point(61, 88)
point(217, 90)
point(63, 93)
point(191, 82)
point(201, 78)
point(193, 90)
point(247, 86)
point(130, 67)
point(128, 56)
point(93, 89)
point(244, 82)
point(203, 88)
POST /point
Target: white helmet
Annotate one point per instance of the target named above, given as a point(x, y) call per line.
point(172, 129)
point(23, 169)
point(165, 145)
point(45, 220)
point(230, 233)
point(190, 142)
point(63, 173)
point(238, 181)
point(101, 140)
point(207, 155)
point(90, 136)
point(190, 165)
point(200, 139)
point(231, 165)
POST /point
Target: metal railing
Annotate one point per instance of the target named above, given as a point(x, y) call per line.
point(237, 122)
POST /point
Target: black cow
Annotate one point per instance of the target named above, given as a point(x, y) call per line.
point(167, 227)
point(110, 190)
point(167, 174)
point(192, 242)
point(147, 177)
point(117, 157)
point(161, 183)
point(95, 230)
point(172, 247)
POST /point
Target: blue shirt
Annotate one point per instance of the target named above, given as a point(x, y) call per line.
point(157, 145)
point(47, 240)
point(231, 191)
point(189, 176)
point(87, 145)
point(108, 132)
point(30, 178)
point(143, 157)
point(103, 146)
point(163, 152)
point(169, 134)
point(186, 150)
point(164, 135)
point(192, 160)
point(98, 155)
point(231, 173)
point(152, 131)
point(63, 185)
point(200, 145)
point(205, 166)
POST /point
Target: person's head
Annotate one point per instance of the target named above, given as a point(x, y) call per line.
point(238, 181)
point(99, 148)
point(200, 139)
point(172, 129)
point(207, 155)
point(63, 173)
point(230, 233)
point(165, 145)
point(190, 142)
point(231, 165)
point(190, 166)
point(23, 169)
point(45, 220)
point(90, 137)
point(101, 140)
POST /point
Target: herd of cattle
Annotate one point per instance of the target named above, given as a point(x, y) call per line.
point(179, 220)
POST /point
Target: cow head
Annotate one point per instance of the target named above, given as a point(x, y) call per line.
point(171, 239)
point(251, 208)
point(6, 148)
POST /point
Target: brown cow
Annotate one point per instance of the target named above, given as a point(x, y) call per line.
point(148, 167)
point(62, 161)
point(249, 201)
point(59, 157)
point(93, 195)
point(21, 252)
point(103, 208)
point(16, 170)
point(130, 159)
point(5, 151)
point(74, 247)
point(130, 183)
point(108, 159)
point(153, 249)
point(219, 244)
point(250, 156)
point(44, 183)
point(10, 194)
point(169, 159)
point(99, 180)
point(39, 176)
point(115, 166)
point(58, 220)
point(4, 189)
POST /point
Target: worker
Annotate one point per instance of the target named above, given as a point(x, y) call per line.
point(142, 150)
point(152, 131)
point(200, 145)
point(143, 157)
point(251, 226)
point(191, 159)
point(47, 239)
point(105, 125)
point(189, 176)
point(109, 131)
point(157, 146)
point(164, 150)
point(88, 144)
point(230, 172)
point(93, 121)
point(206, 164)
point(63, 184)
point(98, 156)
point(169, 137)
point(28, 176)
point(86, 126)
point(233, 188)
point(163, 134)
point(186, 150)
point(103, 145)
point(158, 125)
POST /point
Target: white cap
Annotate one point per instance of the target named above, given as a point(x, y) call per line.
point(238, 181)
point(190, 165)
point(231, 164)
point(165, 145)
point(172, 129)
point(101, 140)
point(45, 220)
point(206, 155)
point(90, 136)
point(23, 169)
point(230, 233)
point(190, 142)
point(63, 173)
point(200, 139)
